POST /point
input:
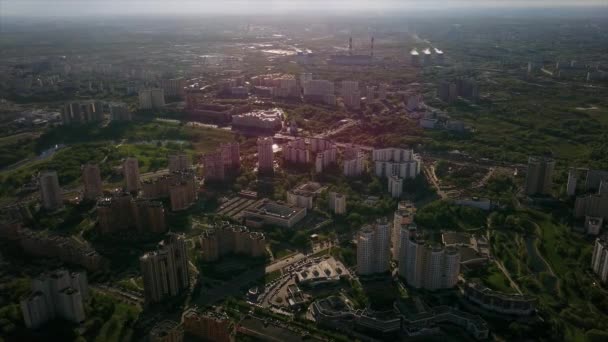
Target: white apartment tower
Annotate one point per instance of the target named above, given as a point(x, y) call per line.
point(403, 163)
point(599, 259)
point(337, 203)
point(373, 248)
point(395, 186)
point(354, 162)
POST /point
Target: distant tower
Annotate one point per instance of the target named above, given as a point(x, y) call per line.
point(91, 177)
point(50, 192)
point(372, 53)
point(130, 170)
point(265, 156)
point(350, 46)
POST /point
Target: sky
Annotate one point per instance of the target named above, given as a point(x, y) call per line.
point(272, 7)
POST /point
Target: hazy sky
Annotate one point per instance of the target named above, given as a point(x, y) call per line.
point(154, 7)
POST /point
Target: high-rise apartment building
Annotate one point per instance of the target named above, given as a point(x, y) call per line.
point(226, 239)
point(121, 213)
point(403, 163)
point(539, 178)
point(319, 91)
point(165, 271)
point(382, 91)
point(130, 172)
point(350, 94)
point(370, 94)
point(427, 266)
point(231, 153)
point(404, 217)
point(120, 112)
point(395, 186)
point(593, 205)
point(354, 162)
point(373, 248)
point(265, 156)
point(213, 167)
point(58, 294)
point(151, 98)
point(179, 162)
point(82, 112)
point(50, 192)
point(296, 152)
point(91, 178)
point(337, 203)
point(174, 87)
point(599, 259)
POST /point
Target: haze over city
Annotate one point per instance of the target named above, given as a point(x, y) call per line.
point(303, 170)
point(267, 7)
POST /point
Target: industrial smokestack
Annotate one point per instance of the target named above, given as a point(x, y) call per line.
point(350, 45)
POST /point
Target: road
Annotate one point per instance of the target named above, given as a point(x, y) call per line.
point(429, 173)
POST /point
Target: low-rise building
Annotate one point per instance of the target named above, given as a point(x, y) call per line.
point(509, 304)
point(422, 316)
point(321, 272)
point(267, 212)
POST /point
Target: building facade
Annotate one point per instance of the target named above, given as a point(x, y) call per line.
point(58, 294)
point(427, 266)
point(226, 239)
point(91, 178)
point(599, 259)
point(403, 163)
point(151, 98)
point(50, 192)
point(373, 248)
point(265, 156)
point(179, 162)
point(130, 172)
point(337, 203)
point(165, 271)
point(539, 178)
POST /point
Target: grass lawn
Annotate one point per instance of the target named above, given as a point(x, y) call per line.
point(496, 280)
point(269, 277)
